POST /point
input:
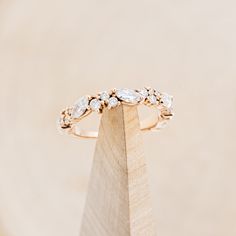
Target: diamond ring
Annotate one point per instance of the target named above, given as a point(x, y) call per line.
point(161, 102)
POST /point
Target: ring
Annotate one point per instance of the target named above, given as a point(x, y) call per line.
point(160, 102)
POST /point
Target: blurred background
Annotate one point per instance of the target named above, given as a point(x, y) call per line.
point(52, 52)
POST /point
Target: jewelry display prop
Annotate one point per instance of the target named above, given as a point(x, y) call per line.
point(118, 198)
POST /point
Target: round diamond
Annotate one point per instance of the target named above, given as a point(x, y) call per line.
point(144, 93)
point(95, 104)
point(166, 100)
point(64, 122)
point(152, 99)
point(112, 102)
point(80, 107)
point(151, 91)
point(128, 95)
point(158, 94)
point(104, 96)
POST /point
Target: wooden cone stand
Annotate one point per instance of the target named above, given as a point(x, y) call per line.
point(118, 200)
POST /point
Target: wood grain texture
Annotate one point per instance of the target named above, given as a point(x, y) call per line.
point(118, 200)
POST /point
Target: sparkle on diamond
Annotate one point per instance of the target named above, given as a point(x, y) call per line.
point(113, 102)
point(104, 96)
point(152, 99)
point(166, 100)
point(80, 107)
point(128, 95)
point(95, 104)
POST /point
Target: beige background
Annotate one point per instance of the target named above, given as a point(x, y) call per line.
point(51, 52)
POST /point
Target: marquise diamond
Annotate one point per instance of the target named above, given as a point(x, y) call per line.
point(80, 107)
point(128, 95)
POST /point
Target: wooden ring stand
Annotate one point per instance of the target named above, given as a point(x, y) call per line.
point(118, 199)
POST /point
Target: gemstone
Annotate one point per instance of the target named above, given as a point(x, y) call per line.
point(158, 94)
point(80, 107)
point(144, 93)
point(66, 120)
point(112, 102)
point(152, 99)
point(151, 91)
point(128, 95)
point(95, 104)
point(61, 121)
point(104, 96)
point(166, 100)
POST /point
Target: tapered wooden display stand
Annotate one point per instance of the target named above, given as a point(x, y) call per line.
point(118, 200)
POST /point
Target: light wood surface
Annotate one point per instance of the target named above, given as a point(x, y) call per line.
point(118, 201)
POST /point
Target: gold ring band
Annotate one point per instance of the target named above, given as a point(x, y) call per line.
point(160, 102)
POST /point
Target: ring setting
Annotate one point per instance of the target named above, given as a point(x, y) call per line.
point(85, 105)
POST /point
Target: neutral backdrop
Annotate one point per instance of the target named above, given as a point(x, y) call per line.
point(52, 52)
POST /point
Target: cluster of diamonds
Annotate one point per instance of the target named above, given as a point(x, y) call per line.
point(112, 99)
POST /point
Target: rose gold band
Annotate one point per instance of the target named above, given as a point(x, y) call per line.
point(161, 104)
